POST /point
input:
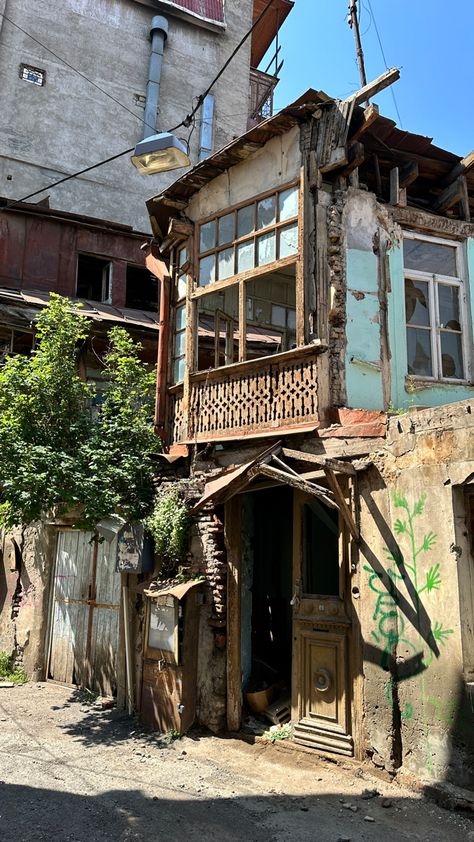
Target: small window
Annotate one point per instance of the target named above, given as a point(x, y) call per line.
point(142, 289)
point(32, 74)
point(94, 278)
point(434, 310)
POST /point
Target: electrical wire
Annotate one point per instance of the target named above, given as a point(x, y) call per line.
point(186, 122)
point(79, 72)
point(385, 60)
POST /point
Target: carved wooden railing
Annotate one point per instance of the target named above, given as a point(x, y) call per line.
point(247, 398)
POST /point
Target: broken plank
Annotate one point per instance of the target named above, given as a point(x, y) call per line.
point(460, 169)
point(451, 196)
point(335, 464)
point(398, 194)
point(378, 84)
point(341, 501)
point(321, 493)
point(408, 173)
point(355, 157)
point(369, 116)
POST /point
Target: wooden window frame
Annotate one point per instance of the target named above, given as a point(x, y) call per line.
point(433, 280)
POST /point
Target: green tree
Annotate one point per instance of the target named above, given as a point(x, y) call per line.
point(54, 450)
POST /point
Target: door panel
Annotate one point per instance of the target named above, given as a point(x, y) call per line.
point(321, 628)
point(85, 622)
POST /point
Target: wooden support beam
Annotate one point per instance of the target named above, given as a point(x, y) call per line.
point(369, 116)
point(461, 168)
point(408, 173)
point(335, 464)
point(378, 84)
point(398, 195)
point(318, 491)
point(341, 501)
point(355, 157)
point(453, 194)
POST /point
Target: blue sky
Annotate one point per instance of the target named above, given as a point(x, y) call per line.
point(431, 41)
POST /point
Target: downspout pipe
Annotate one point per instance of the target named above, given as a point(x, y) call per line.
point(159, 34)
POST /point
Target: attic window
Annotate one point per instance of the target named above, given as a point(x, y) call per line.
point(142, 289)
point(94, 278)
point(32, 74)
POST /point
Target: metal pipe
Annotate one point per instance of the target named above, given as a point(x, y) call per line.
point(128, 648)
point(162, 361)
point(159, 34)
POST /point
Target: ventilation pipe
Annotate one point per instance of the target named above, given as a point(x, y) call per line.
point(159, 34)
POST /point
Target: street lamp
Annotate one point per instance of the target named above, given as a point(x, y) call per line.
point(160, 153)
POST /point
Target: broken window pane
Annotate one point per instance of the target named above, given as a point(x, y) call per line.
point(288, 237)
point(266, 212)
point(218, 329)
point(207, 270)
point(266, 249)
point(178, 373)
point(225, 263)
point(288, 203)
point(417, 302)
point(245, 221)
point(451, 355)
point(207, 236)
point(449, 316)
point(225, 229)
point(271, 309)
point(419, 352)
point(181, 318)
point(429, 257)
point(245, 256)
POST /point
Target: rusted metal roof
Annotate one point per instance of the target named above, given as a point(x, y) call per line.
point(211, 10)
point(153, 589)
point(94, 310)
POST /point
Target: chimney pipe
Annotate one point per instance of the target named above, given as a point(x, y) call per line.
point(159, 34)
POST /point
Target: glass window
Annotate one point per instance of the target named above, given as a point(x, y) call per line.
point(266, 212)
point(425, 256)
point(266, 248)
point(225, 229)
point(180, 317)
point(288, 203)
point(225, 263)
point(207, 270)
point(419, 352)
point(288, 240)
point(245, 256)
point(207, 238)
point(245, 221)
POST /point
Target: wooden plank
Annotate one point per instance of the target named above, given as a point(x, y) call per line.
point(356, 157)
point(295, 482)
point(379, 84)
point(398, 195)
point(408, 173)
point(341, 501)
point(461, 168)
point(452, 195)
point(369, 116)
point(335, 464)
point(300, 275)
point(234, 682)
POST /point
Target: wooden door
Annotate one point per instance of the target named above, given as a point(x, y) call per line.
point(85, 617)
point(321, 629)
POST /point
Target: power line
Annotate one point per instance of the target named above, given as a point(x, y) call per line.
point(385, 61)
point(79, 72)
point(187, 121)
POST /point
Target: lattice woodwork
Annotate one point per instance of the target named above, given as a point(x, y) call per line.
point(263, 395)
point(176, 417)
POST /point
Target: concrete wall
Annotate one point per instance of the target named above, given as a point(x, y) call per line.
point(68, 124)
point(416, 613)
point(24, 596)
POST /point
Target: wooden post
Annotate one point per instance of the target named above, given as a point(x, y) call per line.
point(234, 671)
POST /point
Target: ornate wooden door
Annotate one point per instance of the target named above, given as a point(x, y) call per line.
point(321, 628)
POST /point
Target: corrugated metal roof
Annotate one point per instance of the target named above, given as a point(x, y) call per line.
point(95, 310)
point(211, 10)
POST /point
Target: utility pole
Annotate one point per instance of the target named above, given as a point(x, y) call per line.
point(354, 25)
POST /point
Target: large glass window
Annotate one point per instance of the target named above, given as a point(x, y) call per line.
point(257, 234)
point(435, 309)
point(179, 294)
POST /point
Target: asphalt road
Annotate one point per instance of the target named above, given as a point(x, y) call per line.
point(72, 773)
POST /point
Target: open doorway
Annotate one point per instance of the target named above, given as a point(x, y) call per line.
point(266, 611)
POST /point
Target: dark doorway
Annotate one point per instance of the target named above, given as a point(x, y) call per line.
point(267, 560)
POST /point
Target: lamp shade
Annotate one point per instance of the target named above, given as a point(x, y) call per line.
point(160, 153)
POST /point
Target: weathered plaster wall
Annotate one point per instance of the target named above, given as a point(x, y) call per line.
point(413, 572)
point(24, 597)
point(80, 125)
point(276, 163)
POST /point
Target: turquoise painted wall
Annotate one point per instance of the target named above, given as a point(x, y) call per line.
point(363, 368)
point(435, 395)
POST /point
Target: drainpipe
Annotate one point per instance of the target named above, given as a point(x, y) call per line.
point(159, 34)
point(157, 266)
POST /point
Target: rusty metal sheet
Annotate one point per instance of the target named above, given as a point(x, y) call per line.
point(178, 591)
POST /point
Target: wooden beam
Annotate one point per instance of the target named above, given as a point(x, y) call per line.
point(398, 195)
point(355, 157)
point(379, 84)
point(341, 501)
point(318, 491)
point(460, 169)
point(369, 116)
point(408, 173)
point(335, 464)
point(453, 194)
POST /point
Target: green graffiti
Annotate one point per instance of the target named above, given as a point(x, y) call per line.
point(390, 632)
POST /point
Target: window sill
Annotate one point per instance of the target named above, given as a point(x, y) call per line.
point(415, 384)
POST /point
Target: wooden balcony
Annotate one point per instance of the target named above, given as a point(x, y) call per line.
point(262, 86)
point(245, 399)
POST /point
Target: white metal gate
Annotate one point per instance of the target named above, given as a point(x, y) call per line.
point(85, 617)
